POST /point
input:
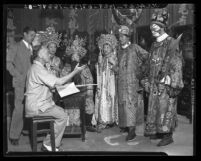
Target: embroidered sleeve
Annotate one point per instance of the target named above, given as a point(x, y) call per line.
point(175, 75)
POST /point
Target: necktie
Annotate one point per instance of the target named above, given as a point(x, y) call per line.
point(30, 48)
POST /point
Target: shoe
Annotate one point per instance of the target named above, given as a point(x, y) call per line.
point(131, 135)
point(123, 130)
point(46, 148)
point(156, 136)
point(91, 129)
point(165, 141)
point(14, 141)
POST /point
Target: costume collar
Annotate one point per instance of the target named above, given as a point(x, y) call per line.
point(126, 45)
point(162, 37)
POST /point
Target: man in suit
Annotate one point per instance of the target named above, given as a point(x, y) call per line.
point(18, 63)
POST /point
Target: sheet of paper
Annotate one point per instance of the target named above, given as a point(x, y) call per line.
point(67, 89)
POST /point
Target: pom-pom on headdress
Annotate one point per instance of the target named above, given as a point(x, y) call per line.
point(107, 39)
point(50, 36)
point(160, 17)
point(77, 46)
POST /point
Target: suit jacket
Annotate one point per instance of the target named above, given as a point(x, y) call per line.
point(18, 62)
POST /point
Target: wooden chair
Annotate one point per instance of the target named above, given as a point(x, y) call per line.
point(34, 131)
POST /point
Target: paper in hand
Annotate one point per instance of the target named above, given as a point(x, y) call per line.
point(67, 89)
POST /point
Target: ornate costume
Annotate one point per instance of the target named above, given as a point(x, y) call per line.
point(47, 37)
point(165, 78)
point(131, 58)
point(106, 106)
point(85, 77)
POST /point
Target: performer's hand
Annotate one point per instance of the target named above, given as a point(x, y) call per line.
point(79, 69)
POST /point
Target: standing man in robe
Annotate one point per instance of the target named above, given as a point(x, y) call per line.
point(163, 82)
point(18, 63)
point(131, 57)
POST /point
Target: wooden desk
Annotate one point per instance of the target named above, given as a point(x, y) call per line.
point(76, 101)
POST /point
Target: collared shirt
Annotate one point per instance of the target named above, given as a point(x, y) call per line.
point(38, 94)
point(27, 45)
point(162, 37)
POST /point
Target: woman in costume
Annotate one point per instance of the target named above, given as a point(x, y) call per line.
point(51, 39)
point(78, 52)
point(106, 106)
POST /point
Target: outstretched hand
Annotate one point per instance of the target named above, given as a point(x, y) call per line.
point(79, 69)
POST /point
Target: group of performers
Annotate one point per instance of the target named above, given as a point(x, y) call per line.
point(123, 71)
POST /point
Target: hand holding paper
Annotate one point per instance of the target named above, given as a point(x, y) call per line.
point(67, 89)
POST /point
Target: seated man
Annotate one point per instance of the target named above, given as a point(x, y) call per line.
point(39, 100)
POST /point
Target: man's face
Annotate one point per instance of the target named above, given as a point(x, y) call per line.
point(29, 37)
point(123, 39)
point(52, 49)
point(156, 30)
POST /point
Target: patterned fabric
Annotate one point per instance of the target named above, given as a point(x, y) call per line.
point(165, 60)
point(85, 77)
point(73, 117)
point(106, 107)
point(128, 83)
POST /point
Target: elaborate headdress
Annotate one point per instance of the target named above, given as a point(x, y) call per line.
point(160, 17)
point(76, 46)
point(124, 30)
point(50, 36)
point(107, 39)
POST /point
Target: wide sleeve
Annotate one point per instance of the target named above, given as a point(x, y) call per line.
point(142, 62)
point(11, 54)
point(142, 53)
point(176, 75)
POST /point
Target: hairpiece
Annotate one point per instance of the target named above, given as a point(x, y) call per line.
point(76, 46)
point(107, 39)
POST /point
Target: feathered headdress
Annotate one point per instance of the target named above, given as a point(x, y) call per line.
point(107, 39)
point(50, 36)
point(76, 46)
